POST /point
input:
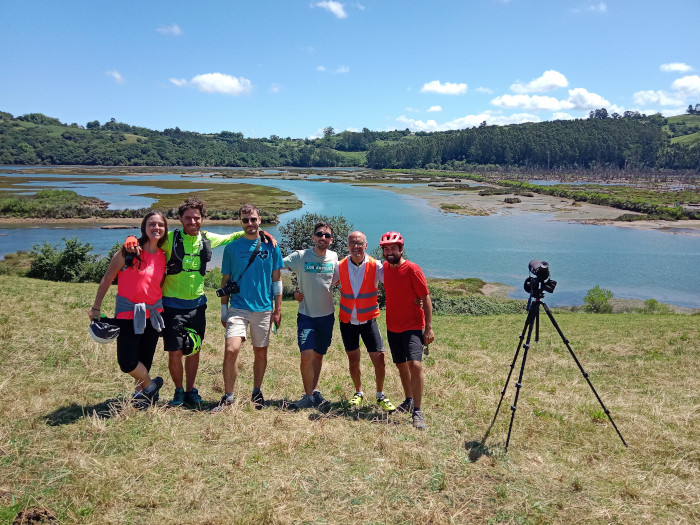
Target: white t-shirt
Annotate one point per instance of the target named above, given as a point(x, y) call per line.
point(315, 279)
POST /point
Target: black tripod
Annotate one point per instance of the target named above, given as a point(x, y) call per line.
point(533, 320)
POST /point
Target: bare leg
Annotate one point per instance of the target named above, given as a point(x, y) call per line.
point(354, 367)
point(191, 367)
point(317, 364)
point(416, 368)
point(259, 365)
point(141, 377)
point(175, 367)
point(405, 375)
point(307, 371)
point(379, 369)
point(232, 346)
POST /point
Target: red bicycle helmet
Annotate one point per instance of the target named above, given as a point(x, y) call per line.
point(391, 238)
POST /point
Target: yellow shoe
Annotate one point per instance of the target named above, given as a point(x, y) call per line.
point(357, 399)
point(386, 404)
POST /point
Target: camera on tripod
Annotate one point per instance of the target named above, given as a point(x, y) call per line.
point(541, 280)
point(229, 288)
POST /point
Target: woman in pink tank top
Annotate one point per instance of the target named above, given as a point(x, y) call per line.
point(139, 288)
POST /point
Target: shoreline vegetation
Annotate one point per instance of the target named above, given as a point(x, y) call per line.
point(70, 443)
point(668, 209)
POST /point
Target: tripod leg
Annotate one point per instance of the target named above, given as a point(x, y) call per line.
point(585, 374)
point(534, 313)
point(528, 324)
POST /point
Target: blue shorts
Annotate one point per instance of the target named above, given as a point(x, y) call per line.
point(315, 333)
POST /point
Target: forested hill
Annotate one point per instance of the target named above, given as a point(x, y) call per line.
point(632, 142)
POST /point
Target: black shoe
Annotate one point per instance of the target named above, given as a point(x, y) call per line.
point(225, 402)
point(258, 400)
point(406, 407)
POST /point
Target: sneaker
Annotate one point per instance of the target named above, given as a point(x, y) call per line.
point(318, 398)
point(192, 397)
point(418, 420)
point(225, 402)
point(258, 400)
point(178, 398)
point(357, 399)
point(406, 406)
point(142, 400)
point(386, 405)
point(304, 402)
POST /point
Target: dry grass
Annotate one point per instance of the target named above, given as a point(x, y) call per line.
point(68, 445)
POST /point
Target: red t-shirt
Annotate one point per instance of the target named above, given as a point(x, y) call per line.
point(402, 285)
point(142, 285)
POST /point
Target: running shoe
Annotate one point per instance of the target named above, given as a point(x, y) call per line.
point(258, 400)
point(386, 404)
point(192, 397)
point(318, 398)
point(225, 402)
point(178, 398)
point(356, 400)
point(304, 402)
point(418, 420)
point(406, 406)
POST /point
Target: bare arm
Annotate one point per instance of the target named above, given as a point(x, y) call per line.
point(428, 335)
point(225, 278)
point(116, 264)
point(276, 317)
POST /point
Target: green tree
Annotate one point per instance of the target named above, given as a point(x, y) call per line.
point(598, 300)
point(297, 233)
point(328, 132)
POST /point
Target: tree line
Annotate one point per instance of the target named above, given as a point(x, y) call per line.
point(631, 141)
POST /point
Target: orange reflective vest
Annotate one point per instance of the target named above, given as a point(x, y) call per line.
point(366, 301)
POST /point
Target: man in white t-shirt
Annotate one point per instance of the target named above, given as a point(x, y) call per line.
point(314, 268)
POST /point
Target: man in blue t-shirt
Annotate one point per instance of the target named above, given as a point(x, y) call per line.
point(255, 268)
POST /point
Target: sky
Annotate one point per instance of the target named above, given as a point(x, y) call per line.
point(292, 68)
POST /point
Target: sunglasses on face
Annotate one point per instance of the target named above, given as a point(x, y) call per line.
point(246, 220)
point(322, 234)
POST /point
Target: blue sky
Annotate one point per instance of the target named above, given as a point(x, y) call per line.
point(291, 68)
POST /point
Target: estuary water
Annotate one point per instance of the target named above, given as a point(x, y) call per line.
point(632, 263)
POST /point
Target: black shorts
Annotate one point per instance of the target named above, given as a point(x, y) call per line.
point(369, 332)
point(406, 346)
point(134, 348)
point(176, 320)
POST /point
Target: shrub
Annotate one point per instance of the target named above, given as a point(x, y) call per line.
point(652, 306)
point(597, 300)
point(74, 263)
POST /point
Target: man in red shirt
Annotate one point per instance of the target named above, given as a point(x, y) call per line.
point(408, 325)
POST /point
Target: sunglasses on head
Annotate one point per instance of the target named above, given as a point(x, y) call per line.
point(323, 234)
point(246, 220)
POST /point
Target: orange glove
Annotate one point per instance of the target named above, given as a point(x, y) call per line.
point(131, 242)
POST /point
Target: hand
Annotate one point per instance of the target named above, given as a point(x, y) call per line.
point(298, 296)
point(428, 335)
point(93, 313)
point(266, 237)
point(276, 318)
point(131, 245)
point(419, 302)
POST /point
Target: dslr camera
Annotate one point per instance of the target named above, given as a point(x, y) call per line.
point(540, 271)
point(229, 288)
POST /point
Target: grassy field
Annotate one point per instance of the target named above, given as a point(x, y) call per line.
point(69, 446)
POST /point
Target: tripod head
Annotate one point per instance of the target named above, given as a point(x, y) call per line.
point(540, 281)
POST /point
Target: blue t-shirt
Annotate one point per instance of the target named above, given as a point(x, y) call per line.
point(255, 294)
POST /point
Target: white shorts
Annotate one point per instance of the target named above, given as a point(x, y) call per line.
point(238, 320)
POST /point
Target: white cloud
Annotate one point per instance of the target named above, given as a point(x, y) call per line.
point(360, 7)
point(413, 110)
point(316, 134)
point(217, 83)
point(675, 67)
point(531, 102)
point(558, 115)
point(116, 75)
point(320, 68)
point(688, 86)
point(448, 88)
point(353, 129)
point(434, 109)
point(336, 8)
point(656, 97)
point(599, 7)
point(486, 90)
point(579, 99)
point(583, 99)
point(342, 69)
point(275, 88)
point(468, 121)
point(547, 82)
point(170, 30)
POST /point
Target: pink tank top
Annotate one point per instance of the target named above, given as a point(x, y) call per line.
point(141, 283)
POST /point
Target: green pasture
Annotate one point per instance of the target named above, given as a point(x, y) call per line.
point(71, 447)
